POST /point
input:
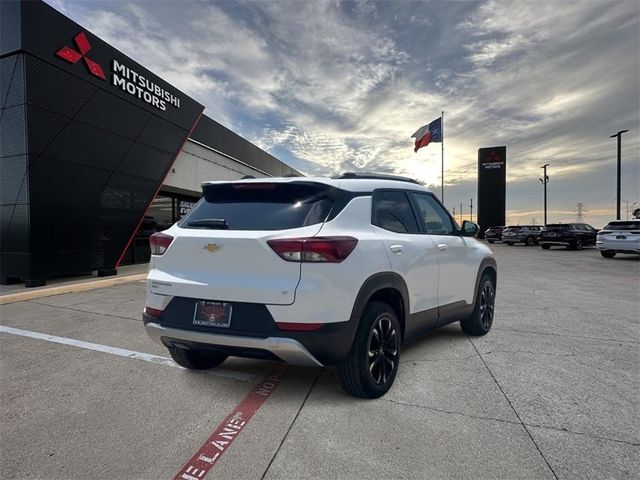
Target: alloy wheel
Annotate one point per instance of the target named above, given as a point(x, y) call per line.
point(487, 301)
point(383, 350)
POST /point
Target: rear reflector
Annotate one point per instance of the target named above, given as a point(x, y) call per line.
point(314, 249)
point(159, 243)
point(254, 186)
point(154, 312)
point(299, 327)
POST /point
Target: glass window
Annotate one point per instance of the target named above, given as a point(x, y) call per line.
point(623, 225)
point(261, 206)
point(436, 220)
point(392, 211)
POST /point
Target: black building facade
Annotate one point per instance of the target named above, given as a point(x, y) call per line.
point(87, 137)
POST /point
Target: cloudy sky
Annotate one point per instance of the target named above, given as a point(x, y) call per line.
point(336, 86)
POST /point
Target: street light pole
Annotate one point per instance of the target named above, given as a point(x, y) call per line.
point(619, 135)
point(544, 180)
point(460, 213)
point(471, 208)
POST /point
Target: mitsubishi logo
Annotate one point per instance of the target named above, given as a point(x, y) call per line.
point(72, 56)
point(493, 157)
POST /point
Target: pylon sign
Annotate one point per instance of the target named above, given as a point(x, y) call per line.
point(492, 179)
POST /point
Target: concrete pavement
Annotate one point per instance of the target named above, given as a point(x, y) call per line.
point(551, 392)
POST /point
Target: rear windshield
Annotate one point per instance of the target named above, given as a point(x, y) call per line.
point(260, 206)
point(630, 225)
point(563, 227)
point(513, 229)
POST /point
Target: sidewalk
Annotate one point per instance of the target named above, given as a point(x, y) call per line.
point(18, 292)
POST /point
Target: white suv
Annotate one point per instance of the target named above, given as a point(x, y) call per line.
point(316, 271)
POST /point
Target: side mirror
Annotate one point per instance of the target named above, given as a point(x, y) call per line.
point(469, 229)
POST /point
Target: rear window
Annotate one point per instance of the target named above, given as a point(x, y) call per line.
point(260, 206)
point(630, 225)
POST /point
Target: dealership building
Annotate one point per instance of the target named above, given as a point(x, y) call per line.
point(96, 152)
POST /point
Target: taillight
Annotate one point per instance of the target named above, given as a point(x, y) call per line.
point(154, 312)
point(314, 249)
point(635, 232)
point(159, 243)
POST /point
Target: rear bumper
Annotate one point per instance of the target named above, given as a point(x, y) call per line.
point(286, 349)
point(619, 246)
point(253, 334)
point(563, 243)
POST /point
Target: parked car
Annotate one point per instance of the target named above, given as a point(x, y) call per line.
point(571, 235)
point(493, 234)
point(619, 236)
point(316, 271)
point(527, 234)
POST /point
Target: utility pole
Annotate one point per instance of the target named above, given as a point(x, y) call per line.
point(580, 211)
point(460, 213)
point(544, 180)
point(471, 208)
point(619, 136)
point(454, 212)
point(627, 202)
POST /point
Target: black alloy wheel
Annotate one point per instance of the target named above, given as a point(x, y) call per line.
point(369, 369)
point(487, 305)
point(531, 241)
point(481, 319)
point(383, 350)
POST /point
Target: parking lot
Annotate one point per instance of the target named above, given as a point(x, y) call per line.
point(551, 392)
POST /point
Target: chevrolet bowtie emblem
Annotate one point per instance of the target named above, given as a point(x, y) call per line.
point(212, 247)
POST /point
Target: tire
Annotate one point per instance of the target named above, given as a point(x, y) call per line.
point(530, 242)
point(576, 244)
point(370, 367)
point(607, 253)
point(196, 359)
point(509, 243)
point(545, 247)
point(491, 241)
point(480, 321)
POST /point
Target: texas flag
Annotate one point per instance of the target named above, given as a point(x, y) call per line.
point(428, 133)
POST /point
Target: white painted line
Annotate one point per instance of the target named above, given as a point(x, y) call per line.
point(121, 352)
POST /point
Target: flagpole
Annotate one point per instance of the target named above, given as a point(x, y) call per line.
point(442, 145)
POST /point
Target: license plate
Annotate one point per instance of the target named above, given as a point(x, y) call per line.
point(212, 314)
point(621, 237)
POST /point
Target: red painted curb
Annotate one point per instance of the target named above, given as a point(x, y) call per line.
point(224, 435)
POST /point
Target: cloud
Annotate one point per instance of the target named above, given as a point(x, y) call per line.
point(332, 86)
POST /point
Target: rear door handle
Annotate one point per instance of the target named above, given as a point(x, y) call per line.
point(396, 248)
point(442, 246)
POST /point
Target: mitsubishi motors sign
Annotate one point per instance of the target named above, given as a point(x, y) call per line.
point(141, 87)
point(62, 43)
point(122, 76)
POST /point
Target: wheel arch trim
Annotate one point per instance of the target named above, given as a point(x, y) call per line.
point(375, 283)
point(487, 264)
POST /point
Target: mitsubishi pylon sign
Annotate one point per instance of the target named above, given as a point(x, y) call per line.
point(492, 177)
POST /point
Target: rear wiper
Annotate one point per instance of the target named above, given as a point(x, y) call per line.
point(214, 223)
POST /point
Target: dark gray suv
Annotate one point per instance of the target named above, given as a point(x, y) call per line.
point(527, 234)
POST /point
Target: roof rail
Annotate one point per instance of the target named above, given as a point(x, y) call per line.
point(376, 176)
